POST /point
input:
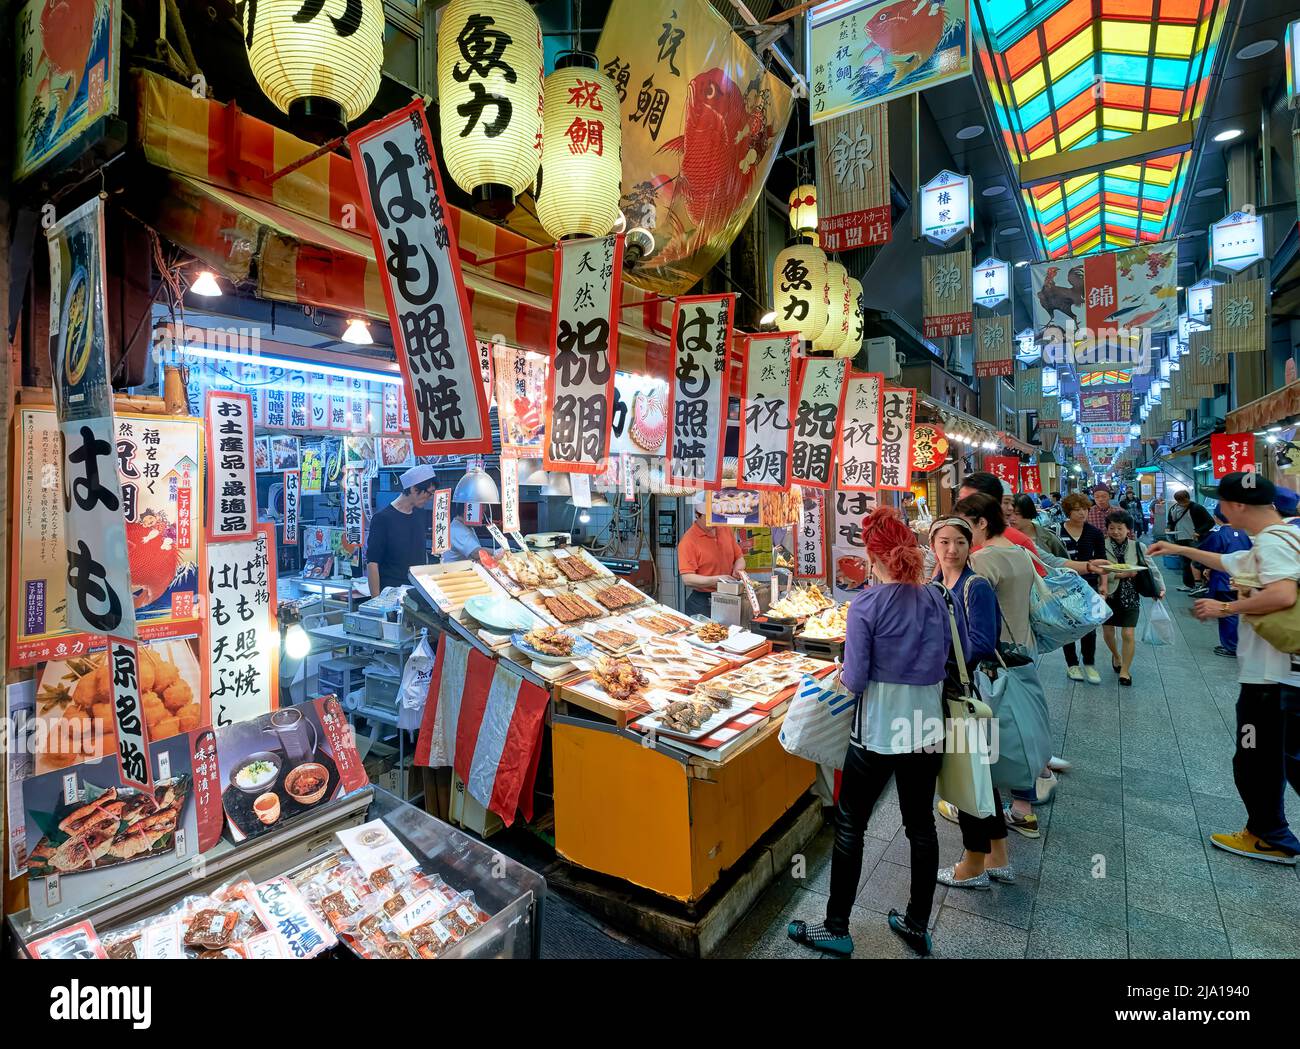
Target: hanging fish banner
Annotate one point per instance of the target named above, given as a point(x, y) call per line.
point(859, 452)
point(243, 646)
point(292, 505)
point(818, 414)
point(232, 488)
point(897, 417)
point(698, 390)
point(584, 354)
point(415, 243)
point(766, 405)
point(853, 207)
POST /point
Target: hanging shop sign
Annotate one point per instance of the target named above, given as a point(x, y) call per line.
point(818, 413)
point(1292, 43)
point(1106, 406)
point(947, 210)
point(1029, 389)
point(95, 554)
point(1237, 241)
point(582, 149)
point(123, 663)
point(1232, 453)
point(1200, 300)
point(1031, 481)
point(702, 121)
point(859, 448)
point(853, 209)
point(67, 77)
point(242, 638)
point(897, 418)
point(947, 301)
point(354, 528)
point(232, 489)
point(698, 390)
point(584, 358)
point(994, 352)
point(766, 407)
point(801, 295)
point(929, 447)
point(1049, 412)
point(520, 377)
point(441, 521)
point(427, 307)
point(810, 547)
point(292, 501)
point(1240, 320)
point(871, 51)
point(1205, 363)
point(510, 495)
point(991, 282)
point(1004, 468)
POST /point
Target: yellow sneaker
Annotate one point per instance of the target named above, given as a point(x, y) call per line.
point(1244, 843)
point(948, 811)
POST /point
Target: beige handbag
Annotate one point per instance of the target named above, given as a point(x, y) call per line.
point(965, 779)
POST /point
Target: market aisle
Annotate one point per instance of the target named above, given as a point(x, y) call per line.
point(1152, 778)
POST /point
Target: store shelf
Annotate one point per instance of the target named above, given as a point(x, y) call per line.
point(337, 637)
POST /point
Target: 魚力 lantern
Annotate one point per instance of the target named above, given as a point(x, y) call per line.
point(799, 290)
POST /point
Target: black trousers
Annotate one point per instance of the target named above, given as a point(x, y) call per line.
point(865, 776)
point(1089, 645)
point(698, 602)
point(1268, 754)
point(978, 834)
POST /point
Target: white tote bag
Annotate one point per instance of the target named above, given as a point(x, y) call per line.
point(818, 724)
point(965, 779)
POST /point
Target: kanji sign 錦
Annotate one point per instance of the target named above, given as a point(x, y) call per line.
point(853, 207)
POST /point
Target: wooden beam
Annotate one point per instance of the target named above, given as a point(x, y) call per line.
point(1145, 145)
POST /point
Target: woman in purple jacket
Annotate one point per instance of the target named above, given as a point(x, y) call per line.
point(895, 657)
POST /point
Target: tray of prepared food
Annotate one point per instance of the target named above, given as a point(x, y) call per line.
point(799, 603)
point(696, 715)
point(661, 621)
point(719, 637)
point(577, 565)
point(546, 644)
point(524, 571)
point(611, 636)
point(617, 598)
point(830, 624)
point(561, 608)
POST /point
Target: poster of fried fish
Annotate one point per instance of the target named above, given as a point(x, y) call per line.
point(702, 122)
point(415, 243)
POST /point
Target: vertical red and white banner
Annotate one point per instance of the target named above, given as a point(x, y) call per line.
point(232, 488)
point(1031, 481)
point(292, 502)
point(858, 468)
point(897, 417)
point(698, 389)
point(441, 521)
point(1232, 453)
point(584, 355)
point(392, 409)
point(510, 495)
point(243, 640)
point(415, 243)
point(1004, 468)
point(484, 352)
point(128, 712)
point(810, 539)
point(818, 412)
point(354, 522)
point(1099, 281)
point(766, 411)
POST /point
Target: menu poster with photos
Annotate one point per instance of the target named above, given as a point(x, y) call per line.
point(766, 406)
point(810, 538)
point(415, 241)
point(584, 344)
point(243, 642)
point(897, 416)
point(292, 501)
point(313, 470)
point(442, 521)
point(818, 412)
point(859, 454)
point(232, 488)
point(698, 390)
point(510, 494)
point(520, 377)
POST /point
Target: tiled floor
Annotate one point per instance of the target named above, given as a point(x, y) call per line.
point(1152, 779)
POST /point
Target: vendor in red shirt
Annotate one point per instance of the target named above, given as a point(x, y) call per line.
point(704, 556)
point(986, 484)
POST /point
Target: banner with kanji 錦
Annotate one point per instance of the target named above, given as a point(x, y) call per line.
point(1205, 363)
point(818, 414)
point(897, 416)
point(946, 294)
point(698, 390)
point(766, 409)
point(1240, 317)
point(853, 207)
point(859, 449)
point(994, 347)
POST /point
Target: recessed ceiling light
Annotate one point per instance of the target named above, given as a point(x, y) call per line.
point(974, 131)
point(1009, 231)
point(994, 191)
point(1256, 50)
point(1229, 135)
point(1210, 192)
point(1022, 263)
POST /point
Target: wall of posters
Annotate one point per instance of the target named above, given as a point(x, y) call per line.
point(584, 341)
point(947, 294)
point(859, 449)
point(869, 52)
point(853, 207)
point(232, 488)
point(428, 310)
point(818, 414)
point(698, 390)
point(766, 406)
point(243, 645)
point(702, 121)
point(994, 348)
point(897, 416)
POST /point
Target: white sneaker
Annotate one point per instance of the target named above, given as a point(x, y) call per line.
point(1074, 673)
point(1091, 674)
point(1059, 764)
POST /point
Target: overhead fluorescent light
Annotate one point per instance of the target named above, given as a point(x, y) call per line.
point(284, 362)
point(1229, 135)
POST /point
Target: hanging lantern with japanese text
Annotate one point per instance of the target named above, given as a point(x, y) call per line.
point(839, 311)
point(857, 320)
point(799, 284)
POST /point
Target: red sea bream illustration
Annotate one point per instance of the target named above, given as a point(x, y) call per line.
point(904, 36)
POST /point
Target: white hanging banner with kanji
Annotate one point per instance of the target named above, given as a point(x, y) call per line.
point(243, 642)
point(698, 390)
point(232, 489)
point(810, 540)
point(897, 415)
point(441, 521)
point(510, 495)
point(766, 406)
point(292, 499)
point(859, 451)
point(818, 411)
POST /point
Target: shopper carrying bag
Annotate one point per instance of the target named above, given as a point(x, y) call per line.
point(964, 779)
point(818, 723)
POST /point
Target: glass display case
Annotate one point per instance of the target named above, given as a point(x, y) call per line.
point(510, 894)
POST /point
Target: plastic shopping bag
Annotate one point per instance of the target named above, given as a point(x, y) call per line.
point(1160, 626)
point(414, 689)
point(1063, 608)
point(818, 723)
point(1023, 744)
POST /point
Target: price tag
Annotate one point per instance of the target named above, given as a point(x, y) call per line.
point(749, 590)
point(497, 537)
point(520, 540)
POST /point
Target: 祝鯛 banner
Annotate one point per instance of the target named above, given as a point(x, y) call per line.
point(243, 642)
point(859, 447)
point(397, 175)
point(947, 294)
point(994, 347)
point(818, 414)
point(698, 390)
point(897, 417)
point(853, 208)
point(766, 409)
point(584, 357)
point(1232, 453)
point(232, 488)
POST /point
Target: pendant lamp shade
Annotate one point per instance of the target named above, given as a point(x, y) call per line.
point(799, 290)
point(803, 209)
point(838, 310)
point(476, 487)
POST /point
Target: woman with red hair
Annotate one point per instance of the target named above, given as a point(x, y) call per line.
point(895, 657)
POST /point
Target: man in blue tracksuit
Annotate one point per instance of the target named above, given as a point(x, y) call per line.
point(1225, 540)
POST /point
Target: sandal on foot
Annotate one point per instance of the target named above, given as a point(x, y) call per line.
point(819, 938)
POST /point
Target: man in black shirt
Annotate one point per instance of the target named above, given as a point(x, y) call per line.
point(399, 532)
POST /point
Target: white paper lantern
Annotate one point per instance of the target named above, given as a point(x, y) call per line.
point(799, 290)
point(490, 77)
point(803, 209)
point(839, 310)
point(320, 70)
point(582, 155)
point(857, 321)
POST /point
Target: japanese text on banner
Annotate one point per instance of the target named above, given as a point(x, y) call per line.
point(698, 389)
point(766, 406)
point(232, 490)
point(859, 454)
point(243, 648)
point(897, 415)
point(817, 420)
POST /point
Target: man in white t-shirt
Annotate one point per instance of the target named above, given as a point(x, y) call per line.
point(1268, 707)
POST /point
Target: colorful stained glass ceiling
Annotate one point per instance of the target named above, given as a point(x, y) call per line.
point(1106, 378)
point(1064, 75)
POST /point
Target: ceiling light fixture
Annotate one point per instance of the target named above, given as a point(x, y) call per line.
point(994, 191)
point(206, 284)
point(1229, 135)
point(1022, 264)
point(1210, 191)
point(357, 332)
point(1009, 231)
point(974, 131)
point(1256, 50)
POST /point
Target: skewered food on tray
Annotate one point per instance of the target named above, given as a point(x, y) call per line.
point(575, 568)
point(663, 624)
point(569, 608)
point(619, 678)
point(550, 641)
point(619, 596)
point(713, 633)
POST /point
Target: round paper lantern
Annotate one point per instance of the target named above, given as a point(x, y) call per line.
point(799, 290)
point(490, 99)
point(803, 209)
point(839, 310)
point(857, 320)
point(319, 66)
point(582, 161)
